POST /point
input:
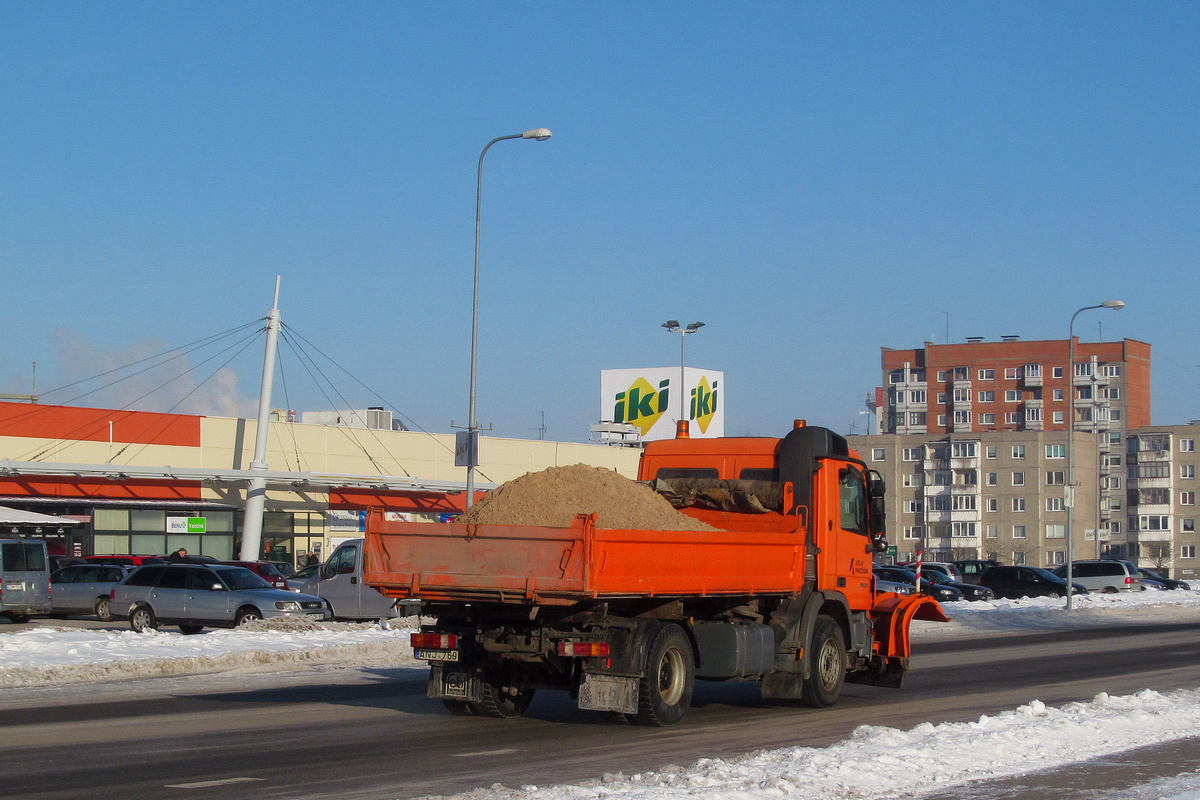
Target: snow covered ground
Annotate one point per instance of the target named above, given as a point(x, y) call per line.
point(865, 765)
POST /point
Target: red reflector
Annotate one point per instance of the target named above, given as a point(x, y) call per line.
point(582, 649)
point(434, 641)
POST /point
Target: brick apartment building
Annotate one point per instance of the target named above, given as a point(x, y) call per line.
point(973, 442)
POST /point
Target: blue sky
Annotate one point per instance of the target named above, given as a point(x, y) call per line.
point(813, 181)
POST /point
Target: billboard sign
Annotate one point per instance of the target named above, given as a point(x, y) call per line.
point(649, 399)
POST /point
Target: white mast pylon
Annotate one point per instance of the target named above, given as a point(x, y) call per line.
point(256, 491)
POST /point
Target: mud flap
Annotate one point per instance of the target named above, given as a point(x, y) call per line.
point(455, 682)
point(609, 693)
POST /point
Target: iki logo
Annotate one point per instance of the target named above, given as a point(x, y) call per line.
point(641, 405)
point(704, 403)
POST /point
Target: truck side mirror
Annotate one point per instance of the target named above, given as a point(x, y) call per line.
point(876, 489)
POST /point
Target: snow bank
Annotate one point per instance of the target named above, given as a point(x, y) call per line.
point(61, 655)
point(879, 762)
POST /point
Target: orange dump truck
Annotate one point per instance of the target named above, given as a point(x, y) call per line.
point(626, 620)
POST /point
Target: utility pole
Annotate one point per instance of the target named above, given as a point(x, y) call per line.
point(256, 491)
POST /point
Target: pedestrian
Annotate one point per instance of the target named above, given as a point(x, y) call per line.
point(311, 559)
point(179, 556)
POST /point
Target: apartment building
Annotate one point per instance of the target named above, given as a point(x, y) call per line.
point(973, 441)
point(1162, 512)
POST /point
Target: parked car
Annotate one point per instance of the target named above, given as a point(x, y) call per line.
point(1019, 581)
point(972, 568)
point(340, 582)
point(24, 579)
point(58, 562)
point(884, 585)
point(193, 596)
point(267, 570)
point(1104, 576)
point(901, 575)
point(970, 591)
point(296, 580)
point(1167, 583)
point(126, 560)
point(84, 588)
point(940, 567)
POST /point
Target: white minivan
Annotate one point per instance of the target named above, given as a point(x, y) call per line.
point(24, 579)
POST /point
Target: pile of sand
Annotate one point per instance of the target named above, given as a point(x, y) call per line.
point(553, 497)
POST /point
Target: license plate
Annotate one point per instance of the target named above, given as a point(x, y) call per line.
point(436, 655)
point(14, 587)
point(317, 614)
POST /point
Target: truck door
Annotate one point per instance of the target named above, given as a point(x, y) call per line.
point(853, 549)
point(341, 579)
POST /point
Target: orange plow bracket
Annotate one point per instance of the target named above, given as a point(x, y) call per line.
point(892, 615)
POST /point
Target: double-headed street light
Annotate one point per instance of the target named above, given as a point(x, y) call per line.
point(672, 326)
point(1115, 305)
point(539, 135)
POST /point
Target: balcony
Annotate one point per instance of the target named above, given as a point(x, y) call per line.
point(1031, 381)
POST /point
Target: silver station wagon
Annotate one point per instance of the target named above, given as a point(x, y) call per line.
point(193, 596)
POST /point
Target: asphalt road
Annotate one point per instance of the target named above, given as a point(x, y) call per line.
point(373, 734)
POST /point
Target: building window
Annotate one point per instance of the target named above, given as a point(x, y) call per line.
point(916, 418)
point(913, 507)
point(1012, 396)
point(1018, 558)
point(1055, 558)
point(1187, 526)
point(1112, 460)
point(962, 417)
point(1011, 373)
point(1083, 369)
point(1018, 479)
point(1018, 451)
point(1112, 393)
point(1057, 372)
point(963, 502)
point(942, 397)
point(965, 529)
point(1111, 370)
point(1187, 498)
point(961, 373)
point(914, 479)
point(1018, 504)
point(1056, 451)
point(962, 395)
point(913, 533)
point(987, 419)
point(942, 376)
point(1055, 504)
point(987, 397)
point(1187, 445)
point(987, 374)
point(917, 396)
point(992, 479)
point(941, 420)
point(992, 531)
point(1187, 471)
point(896, 376)
point(1154, 522)
point(913, 454)
point(1187, 551)
point(990, 451)
point(1011, 418)
point(941, 478)
point(1056, 394)
point(1033, 370)
point(993, 504)
point(1056, 531)
point(1114, 437)
point(878, 454)
point(963, 450)
point(1018, 531)
point(1056, 478)
point(1114, 526)
point(1114, 414)
point(1111, 482)
point(1033, 414)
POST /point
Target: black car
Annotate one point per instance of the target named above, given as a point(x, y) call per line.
point(971, 569)
point(938, 591)
point(970, 591)
point(1020, 581)
point(1167, 583)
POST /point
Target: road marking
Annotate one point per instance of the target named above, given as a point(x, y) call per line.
point(486, 753)
point(206, 784)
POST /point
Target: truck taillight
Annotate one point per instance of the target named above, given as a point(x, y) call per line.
point(582, 649)
point(434, 641)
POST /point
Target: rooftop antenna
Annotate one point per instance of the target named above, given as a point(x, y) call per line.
point(947, 313)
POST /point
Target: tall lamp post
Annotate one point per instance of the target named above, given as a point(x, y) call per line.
point(539, 135)
point(672, 326)
point(1115, 305)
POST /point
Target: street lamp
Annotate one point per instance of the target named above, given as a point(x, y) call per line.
point(672, 326)
point(539, 135)
point(1115, 305)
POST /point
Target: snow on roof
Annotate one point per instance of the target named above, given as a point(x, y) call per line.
point(15, 516)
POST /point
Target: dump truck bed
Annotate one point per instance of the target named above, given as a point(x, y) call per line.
point(558, 566)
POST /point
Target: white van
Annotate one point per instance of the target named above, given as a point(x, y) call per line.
point(1104, 576)
point(340, 583)
point(24, 579)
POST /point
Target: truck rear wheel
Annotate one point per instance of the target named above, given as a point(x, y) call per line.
point(823, 686)
point(502, 701)
point(665, 693)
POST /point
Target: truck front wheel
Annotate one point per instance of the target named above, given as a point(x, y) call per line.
point(823, 686)
point(665, 693)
